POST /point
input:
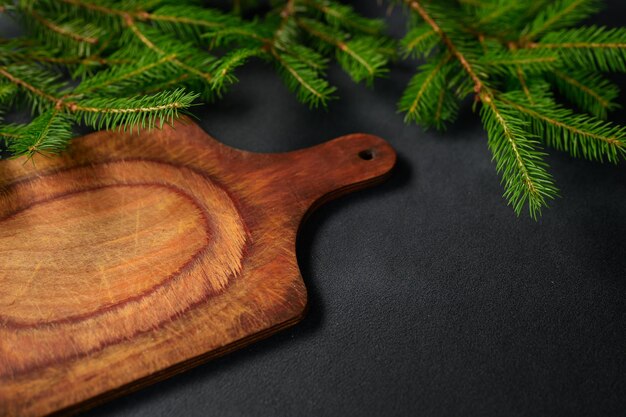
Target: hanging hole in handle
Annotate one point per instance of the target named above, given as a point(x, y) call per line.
point(366, 155)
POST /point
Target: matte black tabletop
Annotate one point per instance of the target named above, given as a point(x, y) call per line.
point(428, 296)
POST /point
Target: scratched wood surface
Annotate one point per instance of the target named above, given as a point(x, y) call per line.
point(134, 257)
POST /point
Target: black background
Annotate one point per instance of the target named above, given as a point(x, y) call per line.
point(427, 295)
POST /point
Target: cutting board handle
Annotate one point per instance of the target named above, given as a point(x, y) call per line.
point(326, 171)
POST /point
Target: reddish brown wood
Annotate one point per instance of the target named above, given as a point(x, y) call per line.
point(134, 257)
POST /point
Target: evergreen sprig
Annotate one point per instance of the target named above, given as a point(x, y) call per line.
point(138, 64)
point(131, 64)
point(509, 56)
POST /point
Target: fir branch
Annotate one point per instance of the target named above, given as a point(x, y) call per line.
point(469, 69)
point(96, 7)
point(593, 48)
point(521, 75)
point(505, 64)
point(48, 133)
point(73, 36)
point(426, 100)
point(241, 34)
point(343, 16)
point(189, 21)
point(8, 134)
point(63, 31)
point(7, 92)
point(533, 61)
point(500, 19)
point(419, 41)
point(308, 56)
point(133, 113)
point(20, 51)
point(559, 14)
point(141, 35)
point(495, 11)
point(360, 57)
point(224, 69)
point(591, 92)
point(562, 129)
point(302, 79)
point(362, 61)
point(139, 64)
point(518, 158)
point(41, 87)
point(285, 30)
point(122, 77)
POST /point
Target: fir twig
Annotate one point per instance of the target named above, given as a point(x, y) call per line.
point(509, 59)
point(139, 64)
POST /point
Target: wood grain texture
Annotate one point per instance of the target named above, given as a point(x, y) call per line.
point(134, 257)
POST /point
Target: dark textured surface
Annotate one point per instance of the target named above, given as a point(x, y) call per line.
point(427, 295)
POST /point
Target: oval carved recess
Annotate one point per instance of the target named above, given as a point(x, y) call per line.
point(67, 236)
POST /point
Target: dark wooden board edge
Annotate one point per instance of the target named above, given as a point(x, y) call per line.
point(175, 369)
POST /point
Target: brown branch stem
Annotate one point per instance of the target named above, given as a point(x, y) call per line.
point(577, 45)
point(60, 103)
point(285, 14)
point(130, 23)
point(9, 135)
point(417, 7)
point(60, 30)
point(572, 81)
point(18, 81)
point(610, 140)
point(95, 7)
point(520, 75)
point(487, 99)
point(337, 43)
point(293, 72)
point(141, 15)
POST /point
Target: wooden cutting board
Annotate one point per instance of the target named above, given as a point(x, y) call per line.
point(131, 258)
